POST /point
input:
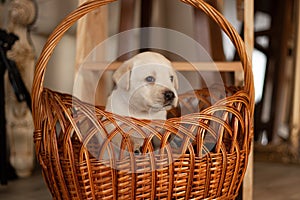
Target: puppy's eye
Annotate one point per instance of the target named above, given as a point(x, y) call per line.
point(172, 78)
point(150, 79)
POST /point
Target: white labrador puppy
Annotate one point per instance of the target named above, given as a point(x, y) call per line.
point(146, 88)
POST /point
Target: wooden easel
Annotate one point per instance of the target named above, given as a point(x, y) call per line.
point(281, 86)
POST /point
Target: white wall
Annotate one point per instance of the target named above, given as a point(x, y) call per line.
point(60, 70)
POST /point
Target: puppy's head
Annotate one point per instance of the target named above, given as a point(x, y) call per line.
point(150, 81)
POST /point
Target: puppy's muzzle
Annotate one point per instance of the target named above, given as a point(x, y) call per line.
point(169, 96)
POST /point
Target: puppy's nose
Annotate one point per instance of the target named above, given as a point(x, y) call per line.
point(169, 95)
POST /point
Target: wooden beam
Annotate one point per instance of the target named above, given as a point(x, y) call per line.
point(91, 30)
point(249, 43)
point(179, 66)
point(295, 121)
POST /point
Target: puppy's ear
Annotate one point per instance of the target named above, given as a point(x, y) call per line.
point(121, 76)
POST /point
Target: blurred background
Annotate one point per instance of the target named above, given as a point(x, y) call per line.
point(275, 67)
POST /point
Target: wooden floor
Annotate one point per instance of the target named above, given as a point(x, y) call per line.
point(272, 181)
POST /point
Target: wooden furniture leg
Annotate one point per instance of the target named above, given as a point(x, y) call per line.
point(249, 42)
point(295, 124)
point(91, 30)
point(146, 14)
point(208, 34)
point(126, 23)
point(19, 120)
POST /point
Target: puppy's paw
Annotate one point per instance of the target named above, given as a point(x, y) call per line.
point(137, 145)
point(138, 151)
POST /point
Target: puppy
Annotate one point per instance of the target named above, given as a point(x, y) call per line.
point(146, 88)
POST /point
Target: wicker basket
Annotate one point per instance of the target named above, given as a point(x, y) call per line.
point(74, 169)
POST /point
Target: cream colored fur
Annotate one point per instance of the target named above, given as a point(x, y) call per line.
point(138, 96)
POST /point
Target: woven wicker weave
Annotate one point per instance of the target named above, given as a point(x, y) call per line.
point(76, 166)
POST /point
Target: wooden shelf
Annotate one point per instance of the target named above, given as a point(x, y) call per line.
point(179, 66)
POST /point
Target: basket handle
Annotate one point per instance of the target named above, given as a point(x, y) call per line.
point(91, 5)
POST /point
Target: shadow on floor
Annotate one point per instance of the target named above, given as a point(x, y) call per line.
point(272, 181)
